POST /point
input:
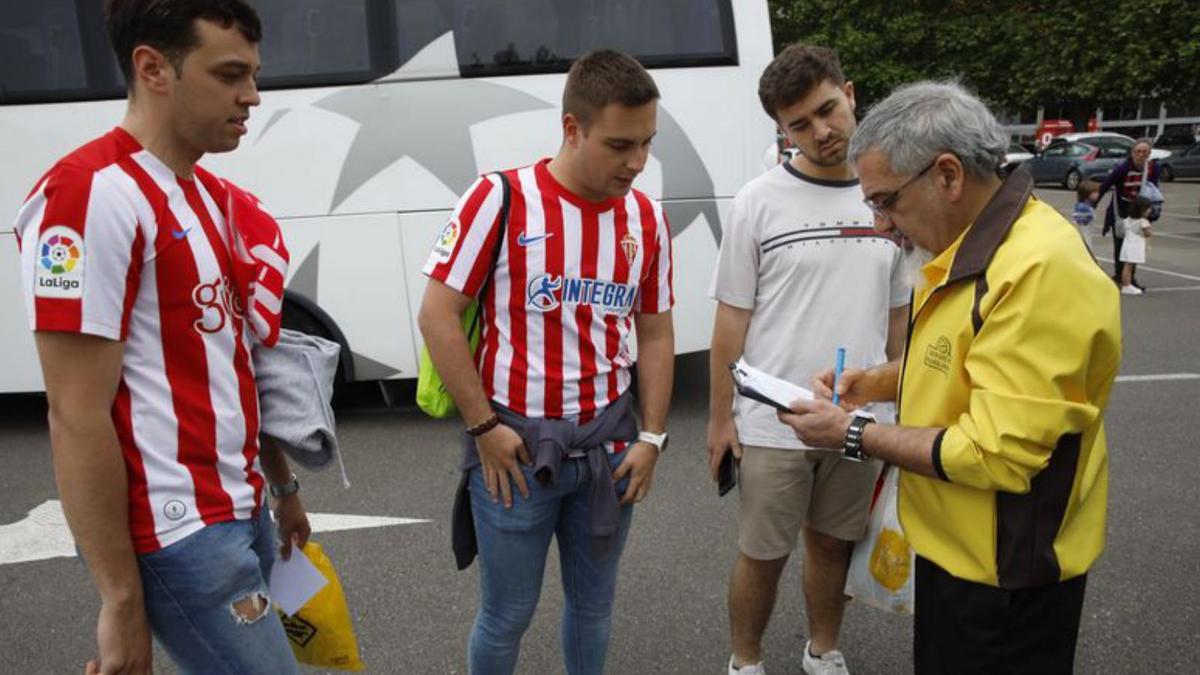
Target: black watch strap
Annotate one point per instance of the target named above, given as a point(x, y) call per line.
point(852, 446)
point(289, 488)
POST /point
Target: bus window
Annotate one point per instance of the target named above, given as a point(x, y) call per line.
point(313, 40)
point(418, 23)
point(40, 50)
point(495, 38)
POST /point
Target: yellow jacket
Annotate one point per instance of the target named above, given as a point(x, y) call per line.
point(1013, 347)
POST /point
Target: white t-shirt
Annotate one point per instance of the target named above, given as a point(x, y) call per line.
point(803, 254)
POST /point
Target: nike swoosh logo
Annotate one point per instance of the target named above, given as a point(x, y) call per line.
point(522, 240)
point(180, 234)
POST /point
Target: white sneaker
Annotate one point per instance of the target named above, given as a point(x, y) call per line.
point(830, 663)
point(1130, 290)
point(753, 669)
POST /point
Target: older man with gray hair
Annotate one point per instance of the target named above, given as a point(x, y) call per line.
point(1014, 341)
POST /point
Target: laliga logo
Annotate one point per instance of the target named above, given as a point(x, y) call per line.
point(59, 256)
point(449, 236)
point(540, 292)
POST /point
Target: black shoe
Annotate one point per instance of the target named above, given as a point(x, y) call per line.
point(1137, 285)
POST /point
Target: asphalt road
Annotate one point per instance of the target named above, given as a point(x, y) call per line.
point(412, 610)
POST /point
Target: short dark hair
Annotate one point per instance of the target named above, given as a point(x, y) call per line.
point(602, 77)
point(1140, 207)
point(169, 26)
point(795, 72)
point(1085, 189)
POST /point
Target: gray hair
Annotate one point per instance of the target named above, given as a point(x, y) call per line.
point(918, 121)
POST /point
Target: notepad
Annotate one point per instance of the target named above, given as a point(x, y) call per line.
point(765, 388)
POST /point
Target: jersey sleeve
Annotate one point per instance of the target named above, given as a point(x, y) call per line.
point(735, 279)
point(81, 254)
point(656, 290)
point(466, 245)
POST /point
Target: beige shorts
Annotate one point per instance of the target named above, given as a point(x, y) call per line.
point(781, 489)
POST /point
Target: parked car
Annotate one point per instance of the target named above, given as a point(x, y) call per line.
point(1069, 162)
point(1175, 140)
point(1182, 164)
point(1015, 155)
point(1107, 139)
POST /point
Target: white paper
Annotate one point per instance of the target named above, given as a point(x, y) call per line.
point(779, 393)
point(295, 581)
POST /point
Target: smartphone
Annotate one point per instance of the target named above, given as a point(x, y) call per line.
point(726, 474)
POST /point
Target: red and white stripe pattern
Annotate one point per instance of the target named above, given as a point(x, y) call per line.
point(156, 274)
point(569, 276)
point(1132, 184)
point(260, 259)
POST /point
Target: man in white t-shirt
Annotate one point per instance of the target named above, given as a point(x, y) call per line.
point(801, 273)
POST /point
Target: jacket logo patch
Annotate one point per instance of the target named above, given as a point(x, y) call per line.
point(937, 355)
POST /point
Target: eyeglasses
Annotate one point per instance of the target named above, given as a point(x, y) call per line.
point(882, 206)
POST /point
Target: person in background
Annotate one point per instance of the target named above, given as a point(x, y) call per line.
point(1133, 251)
point(1087, 194)
point(1125, 180)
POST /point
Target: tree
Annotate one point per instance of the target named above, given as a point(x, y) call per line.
point(1015, 53)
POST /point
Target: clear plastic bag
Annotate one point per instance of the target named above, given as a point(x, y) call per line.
point(883, 563)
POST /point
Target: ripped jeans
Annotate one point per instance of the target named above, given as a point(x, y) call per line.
point(192, 586)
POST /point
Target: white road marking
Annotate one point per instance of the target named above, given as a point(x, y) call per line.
point(1154, 269)
point(43, 534)
point(1158, 378)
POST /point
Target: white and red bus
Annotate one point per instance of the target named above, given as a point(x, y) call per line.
point(377, 114)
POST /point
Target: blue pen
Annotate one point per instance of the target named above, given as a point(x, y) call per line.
point(838, 366)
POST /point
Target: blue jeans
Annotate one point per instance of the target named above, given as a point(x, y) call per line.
point(191, 587)
point(512, 558)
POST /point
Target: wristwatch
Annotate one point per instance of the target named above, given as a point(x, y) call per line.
point(289, 488)
point(659, 441)
point(852, 446)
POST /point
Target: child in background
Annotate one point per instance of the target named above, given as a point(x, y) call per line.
point(1133, 251)
point(1087, 194)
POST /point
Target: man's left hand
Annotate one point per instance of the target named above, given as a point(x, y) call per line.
point(291, 522)
point(818, 423)
point(638, 464)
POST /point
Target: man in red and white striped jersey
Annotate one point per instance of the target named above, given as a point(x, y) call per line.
point(145, 349)
point(565, 259)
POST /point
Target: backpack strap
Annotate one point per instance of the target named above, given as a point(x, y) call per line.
point(501, 232)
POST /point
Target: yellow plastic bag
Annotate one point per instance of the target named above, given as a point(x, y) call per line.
point(320, 633)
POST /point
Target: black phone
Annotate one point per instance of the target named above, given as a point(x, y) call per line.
point(726, 474)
